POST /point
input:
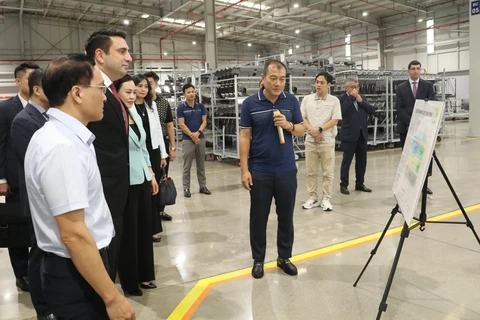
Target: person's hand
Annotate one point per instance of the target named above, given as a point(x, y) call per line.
point(120, 309)
point(281, 121)
point(319, 138)
point(195, 134)
point(163, 163)
point(247, 181)
point(172, 154)
point(196, 140)
point(4, 188)
point(314, 132)
point(154, 186)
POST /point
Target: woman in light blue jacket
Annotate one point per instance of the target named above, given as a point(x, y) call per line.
point(136, 265)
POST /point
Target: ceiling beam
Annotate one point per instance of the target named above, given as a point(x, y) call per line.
point(173, 5)
point(328, 8)
point(408, 5)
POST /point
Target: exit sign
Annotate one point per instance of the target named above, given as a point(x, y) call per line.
point(475, 7)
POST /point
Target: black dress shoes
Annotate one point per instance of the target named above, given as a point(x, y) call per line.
point(429, 191)
point(344, 190)
point(22, 284)
point(363, 188)
point(186, 193)
point(165, 216)
point(136, 292)
point(151, 285)
point(257, 270)
point(288, 267)
point(204, 190)
point(49, 317)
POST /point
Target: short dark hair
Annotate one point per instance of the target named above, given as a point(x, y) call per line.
point(34, 79)
point(65, 72)
point(186, 86)
point(414, 63)
point(326, 75)
point(139, 78)
point(278, 63)
point(101, 39)
point(151, 74)
point(118, 83)
point(24, 66)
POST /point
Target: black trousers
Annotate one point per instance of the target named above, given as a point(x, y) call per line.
point(136, 253)
point(359, 150)
point(155, 159)
point(267, 186)
point(68, 294)
point(403, 138)
point(167, 147)
point(35, 277)
point(18, 256)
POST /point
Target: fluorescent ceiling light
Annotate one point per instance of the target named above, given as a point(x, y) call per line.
point(194, 42)
point(290, 51)
point(296, 5)
point(249, 44)
point(145, 16)
point(420, 20)
point(297, 31)
point(126, 22)
point(297, 46)
point(165, 53)
point(365, 13)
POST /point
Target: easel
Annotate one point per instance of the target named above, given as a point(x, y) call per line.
point(421, 222)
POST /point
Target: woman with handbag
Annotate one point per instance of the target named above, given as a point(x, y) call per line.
point(148, 112)
point(136, 262)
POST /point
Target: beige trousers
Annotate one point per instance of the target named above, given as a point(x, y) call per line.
point(319, 154)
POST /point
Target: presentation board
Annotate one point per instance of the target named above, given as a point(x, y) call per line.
point(417, 154)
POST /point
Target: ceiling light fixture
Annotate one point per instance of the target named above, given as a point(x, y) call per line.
point(194, 42)
point(297, 31)
point(145, 15)
point(296, 5)
point(165, 53)
point(249, 44)
point(297, 46)
point(126, 22)
point(365, 13)
point(420, 20)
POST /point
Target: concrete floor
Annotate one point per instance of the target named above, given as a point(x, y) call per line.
point(437, 277)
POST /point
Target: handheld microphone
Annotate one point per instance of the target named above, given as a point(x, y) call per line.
point(279, 129)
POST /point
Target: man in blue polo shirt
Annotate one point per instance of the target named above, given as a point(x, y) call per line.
point(268, 167)
point(192, 119)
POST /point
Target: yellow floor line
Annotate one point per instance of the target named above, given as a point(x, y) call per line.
point(199, 292)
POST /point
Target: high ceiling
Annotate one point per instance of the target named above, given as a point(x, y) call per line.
point(254, 21)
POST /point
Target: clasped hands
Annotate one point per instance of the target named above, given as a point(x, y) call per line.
point(316, 135)
point(195, 137)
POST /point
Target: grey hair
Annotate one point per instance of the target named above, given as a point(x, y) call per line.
point(348, 80)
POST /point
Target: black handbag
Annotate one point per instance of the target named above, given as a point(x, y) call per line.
point(14, 226)
point(167, 194)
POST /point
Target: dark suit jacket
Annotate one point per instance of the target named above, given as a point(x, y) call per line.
point(111, 147)
point(8, 163)
point(353, 121)
point(25, 124)
point(405, 102)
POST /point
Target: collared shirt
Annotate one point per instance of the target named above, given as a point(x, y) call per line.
point(23, 101)
point(62, 175)
point(193, 117)
point(106, 80)
point(319, 111)
point(355, 103)
point(266, 153)
point(411, 83)
point(39, 108)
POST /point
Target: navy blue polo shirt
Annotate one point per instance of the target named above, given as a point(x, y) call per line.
point(266, 152)
point(193, 117)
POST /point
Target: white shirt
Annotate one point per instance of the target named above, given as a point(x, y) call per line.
point(411, 83)
point(62, 175)
point(106, 80)
point(319, 111)
point(23, 101)
point(156, 132)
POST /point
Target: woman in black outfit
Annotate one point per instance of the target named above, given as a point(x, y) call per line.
point(147, 110)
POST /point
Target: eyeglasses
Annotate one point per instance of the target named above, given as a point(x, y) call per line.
point(103, 88)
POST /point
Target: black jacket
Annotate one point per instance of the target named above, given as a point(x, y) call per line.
point(353, 121)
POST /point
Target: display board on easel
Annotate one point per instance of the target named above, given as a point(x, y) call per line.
point(417, 154)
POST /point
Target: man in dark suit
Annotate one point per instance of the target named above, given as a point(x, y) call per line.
point(110, 51)
point(407, 93)
point(8, 164)
point(354, 135)
point(25, 124)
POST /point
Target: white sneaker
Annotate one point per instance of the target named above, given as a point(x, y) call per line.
point(326, 205)
point(309, 204)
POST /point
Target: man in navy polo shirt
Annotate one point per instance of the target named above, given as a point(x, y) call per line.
point(268, 167)
point(192, 119)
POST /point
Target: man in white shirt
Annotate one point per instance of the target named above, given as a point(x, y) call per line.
point(9, 186)
point(71, 218)
point(321, 113)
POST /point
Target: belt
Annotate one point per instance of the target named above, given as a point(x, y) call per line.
point(51, 254)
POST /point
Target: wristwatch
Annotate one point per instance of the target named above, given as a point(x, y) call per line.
point(173, 149)
point(320, 129)
point(199, 131)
